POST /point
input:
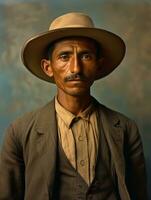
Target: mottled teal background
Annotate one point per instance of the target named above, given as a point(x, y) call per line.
point(127, 89)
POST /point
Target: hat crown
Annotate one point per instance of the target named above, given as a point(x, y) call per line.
point(72, 20)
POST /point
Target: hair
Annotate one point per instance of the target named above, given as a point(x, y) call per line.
point(51, 46)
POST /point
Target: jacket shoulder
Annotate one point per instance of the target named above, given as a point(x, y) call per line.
point(113, 113)
point(118, 118)
point(29, 117)
point(22, 126)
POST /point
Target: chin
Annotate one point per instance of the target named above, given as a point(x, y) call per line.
point(78, 92)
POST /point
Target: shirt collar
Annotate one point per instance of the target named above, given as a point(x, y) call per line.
point(68, 117)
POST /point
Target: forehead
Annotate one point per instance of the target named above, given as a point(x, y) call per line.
point(81, 42)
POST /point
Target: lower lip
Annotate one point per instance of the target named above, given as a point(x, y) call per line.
point(77, 80)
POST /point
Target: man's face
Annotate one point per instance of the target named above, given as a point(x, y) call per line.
point(74, 65)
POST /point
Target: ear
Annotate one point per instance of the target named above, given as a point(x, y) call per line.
point(46, 67)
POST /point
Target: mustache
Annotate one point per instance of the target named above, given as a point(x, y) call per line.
point(74, 76)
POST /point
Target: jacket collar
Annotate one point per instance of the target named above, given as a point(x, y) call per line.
point(111, 122)
point(113, 130)
point(46, 118)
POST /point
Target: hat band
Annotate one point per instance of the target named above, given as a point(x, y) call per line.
point(73, 26)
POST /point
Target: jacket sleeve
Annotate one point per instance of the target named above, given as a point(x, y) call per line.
point(11, 168)
point(135, 163)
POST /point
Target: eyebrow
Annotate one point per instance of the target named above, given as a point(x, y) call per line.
point(87, 51)
point(80, 52)
point(64, 52)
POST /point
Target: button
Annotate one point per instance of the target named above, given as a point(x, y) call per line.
point(80, 138)
point(82, 162)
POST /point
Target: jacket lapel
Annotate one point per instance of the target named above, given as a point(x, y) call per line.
point(46, 145)
point(114, 134)
point(46, 126)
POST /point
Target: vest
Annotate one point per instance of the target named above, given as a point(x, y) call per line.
point(69, 185)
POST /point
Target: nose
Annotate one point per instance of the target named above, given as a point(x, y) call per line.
point(75, 64)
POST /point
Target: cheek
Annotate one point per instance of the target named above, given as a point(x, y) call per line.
point(60, 68)
point(91, 70)
point(59, 77)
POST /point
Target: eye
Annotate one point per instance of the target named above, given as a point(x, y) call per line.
point(64, 57)
point(86, 56)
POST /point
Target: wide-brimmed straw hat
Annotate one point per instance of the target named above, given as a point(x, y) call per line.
point(68, 25)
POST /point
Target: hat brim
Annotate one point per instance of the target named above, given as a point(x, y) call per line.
point(34, 50)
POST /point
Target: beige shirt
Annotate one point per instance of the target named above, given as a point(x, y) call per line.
point(78, 136)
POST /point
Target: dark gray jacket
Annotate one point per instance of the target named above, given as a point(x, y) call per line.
point(28, 156)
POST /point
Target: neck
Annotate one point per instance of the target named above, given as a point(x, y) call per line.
point(74, 104)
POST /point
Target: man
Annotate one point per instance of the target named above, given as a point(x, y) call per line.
point(74, 147)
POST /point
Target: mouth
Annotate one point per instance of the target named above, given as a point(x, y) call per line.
point(77, 80)
point(77, 83)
